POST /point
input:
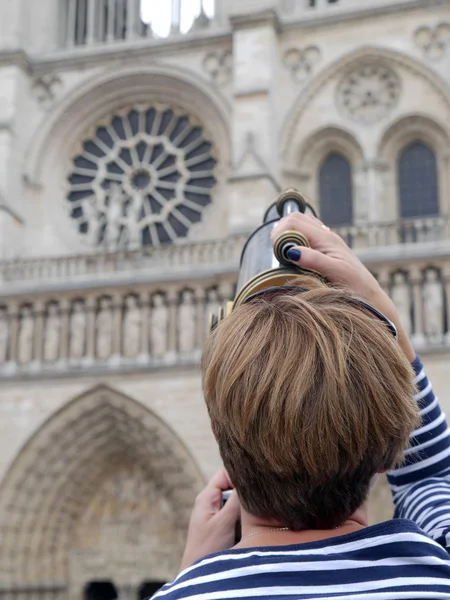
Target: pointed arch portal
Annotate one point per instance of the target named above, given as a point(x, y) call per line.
point(102, 492)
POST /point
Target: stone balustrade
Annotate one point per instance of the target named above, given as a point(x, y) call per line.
point(321, 8)
point(208, 255)
point(140, 327)
point(160, 325)
point(146, 261)
point(93, 22)
point(404, 231)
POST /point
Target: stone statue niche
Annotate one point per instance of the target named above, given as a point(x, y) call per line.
point(159, 325)
point(78, 330)
point(26, 335)
point(212, 307)
point(433, 306)
point(4, 335)
point(104, 329)
point(52, 333)
point(401, 295)
point(186, 322)
point(132, 321)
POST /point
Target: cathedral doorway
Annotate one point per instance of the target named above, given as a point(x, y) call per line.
point(97, 504)
point(148, 588)
point(100, 590)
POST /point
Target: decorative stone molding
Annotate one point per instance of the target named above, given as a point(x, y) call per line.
point(102, 469)
point(108, 330)
point(369, 92)
point(113, 89)
point(301, 61)
point(142, 177)
point(176, 261)
point(290, 139)
point(433, 41)
point(46, 89)
point(219, 66)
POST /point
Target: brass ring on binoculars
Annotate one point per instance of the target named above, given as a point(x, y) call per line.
point(272, 278)
point(291, 194)
point(286, 241)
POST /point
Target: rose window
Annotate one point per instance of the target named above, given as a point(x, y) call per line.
point(369, 92)
point(143, 178)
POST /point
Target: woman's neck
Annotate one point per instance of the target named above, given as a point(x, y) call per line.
point(257, 532)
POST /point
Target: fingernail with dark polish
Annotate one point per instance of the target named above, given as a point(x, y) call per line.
point(294, 255)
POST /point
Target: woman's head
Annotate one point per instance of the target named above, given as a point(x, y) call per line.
point(309, 396)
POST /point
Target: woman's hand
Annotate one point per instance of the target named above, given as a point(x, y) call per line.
point(212, 527)
point(330, 256)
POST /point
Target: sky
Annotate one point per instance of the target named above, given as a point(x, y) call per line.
point(158, 13)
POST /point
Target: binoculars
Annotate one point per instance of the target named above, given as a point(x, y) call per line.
point(264, 265)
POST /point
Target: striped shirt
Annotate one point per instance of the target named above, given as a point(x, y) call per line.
point(401, 559)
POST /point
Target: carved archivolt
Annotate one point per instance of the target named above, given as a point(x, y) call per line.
point(103, 466)
point(409, 129)
point(340, 70)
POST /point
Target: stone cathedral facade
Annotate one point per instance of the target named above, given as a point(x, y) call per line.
point(132, 169)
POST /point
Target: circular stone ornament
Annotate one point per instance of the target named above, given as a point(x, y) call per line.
point(142, 177)
point(369, 92)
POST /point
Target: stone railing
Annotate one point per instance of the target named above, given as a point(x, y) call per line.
point(330, 7)
point(405, 231)
point(179, 259)
point(147, 261)
point(91, 22)
point(140, 327)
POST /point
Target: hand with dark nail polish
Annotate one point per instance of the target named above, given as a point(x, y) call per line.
point(294, 255)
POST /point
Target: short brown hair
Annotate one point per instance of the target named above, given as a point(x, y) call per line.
point(309, 396)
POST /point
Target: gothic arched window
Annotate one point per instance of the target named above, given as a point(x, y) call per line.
point(335, 190)
point(418, 181)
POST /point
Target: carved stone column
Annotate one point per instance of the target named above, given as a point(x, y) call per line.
point(38, 311)
point(91, 22)
point(133, 18)
point(70, 22)
point(111, 20)
point(418, 337)
point(175, 17)
point(91, 311)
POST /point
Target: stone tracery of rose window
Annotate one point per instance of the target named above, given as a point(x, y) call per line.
point(142, 178)
point(369, 92)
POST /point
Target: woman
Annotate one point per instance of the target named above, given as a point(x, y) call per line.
point(310, 397)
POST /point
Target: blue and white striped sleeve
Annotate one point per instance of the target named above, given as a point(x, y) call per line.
point(421, 484)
